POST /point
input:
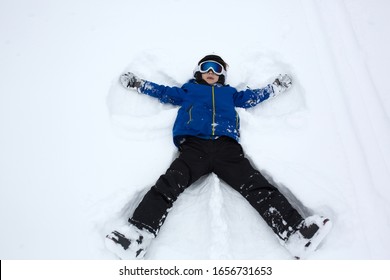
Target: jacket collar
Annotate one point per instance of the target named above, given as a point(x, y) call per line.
point(203, 82)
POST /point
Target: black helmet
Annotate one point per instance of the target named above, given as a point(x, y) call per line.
point(212, 57)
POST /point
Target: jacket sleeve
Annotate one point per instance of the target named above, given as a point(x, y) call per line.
point(172, 95)
point(251, 97)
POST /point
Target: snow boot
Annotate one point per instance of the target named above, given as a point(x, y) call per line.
point(129, 242)
point(308, 236)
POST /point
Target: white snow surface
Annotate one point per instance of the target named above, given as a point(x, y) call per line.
point(77, 151)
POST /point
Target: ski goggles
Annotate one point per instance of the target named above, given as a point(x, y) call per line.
point(212, 65)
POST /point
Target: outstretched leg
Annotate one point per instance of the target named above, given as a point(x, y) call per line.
point(236, 170)
point(299, 236)
point(131, 241)
point(192, 163)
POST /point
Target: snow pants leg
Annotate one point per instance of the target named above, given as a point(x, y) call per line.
point(224, 157)
point(191, 164)
point(235, 169)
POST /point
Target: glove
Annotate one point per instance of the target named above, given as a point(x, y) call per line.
point(281, 84)
point(129, 80)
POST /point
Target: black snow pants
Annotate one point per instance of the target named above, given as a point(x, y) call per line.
point(224, 157)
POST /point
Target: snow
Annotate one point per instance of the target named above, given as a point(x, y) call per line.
point(77, 151)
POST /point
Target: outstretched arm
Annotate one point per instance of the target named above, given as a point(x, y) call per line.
point(165, 94)
point(251, 97)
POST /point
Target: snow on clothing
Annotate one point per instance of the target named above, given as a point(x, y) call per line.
point(206, 111)
point(206, 131)
point(224, 157)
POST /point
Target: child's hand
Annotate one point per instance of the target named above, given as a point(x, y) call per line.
point(129, 80)
point(281, 84)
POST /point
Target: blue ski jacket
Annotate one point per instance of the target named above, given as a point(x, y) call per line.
point(206, 111)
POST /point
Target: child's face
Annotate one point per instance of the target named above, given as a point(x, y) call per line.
point(210, 77)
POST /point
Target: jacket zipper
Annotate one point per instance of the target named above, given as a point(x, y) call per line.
point(213, 123)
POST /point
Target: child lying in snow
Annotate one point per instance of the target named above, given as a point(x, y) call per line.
point(206, 132)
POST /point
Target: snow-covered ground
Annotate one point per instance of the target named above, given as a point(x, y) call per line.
point(77, 151)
